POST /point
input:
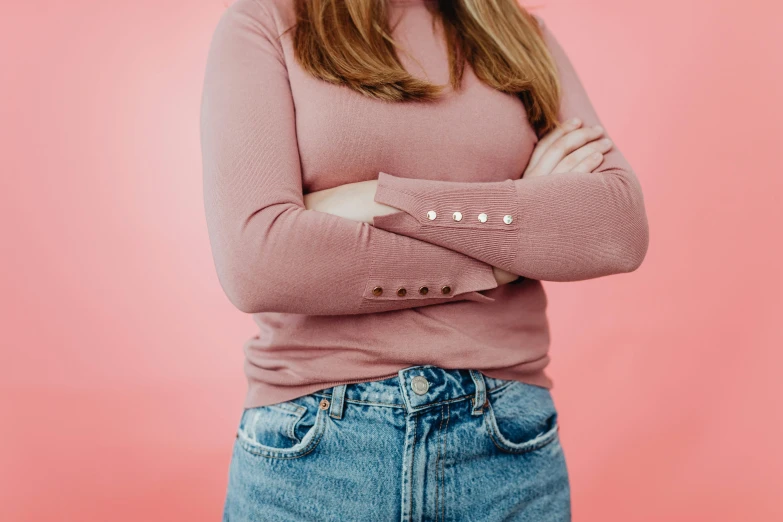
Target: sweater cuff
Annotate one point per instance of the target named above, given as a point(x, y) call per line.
point(479, 219)
point(446, 204)
point(441, 274)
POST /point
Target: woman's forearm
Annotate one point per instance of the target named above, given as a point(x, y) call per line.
point(270, 253)
point(565, 226)
point(355, 201)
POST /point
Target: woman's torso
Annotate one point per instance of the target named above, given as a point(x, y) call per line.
point(476, 134)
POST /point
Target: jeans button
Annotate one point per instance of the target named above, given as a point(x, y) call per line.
point(420, 385)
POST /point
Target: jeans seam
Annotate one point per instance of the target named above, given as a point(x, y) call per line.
point(393, 405)
point(413, 460)
point(524, 447)
point(437, 466)
point(445, 452)
point(281, 454)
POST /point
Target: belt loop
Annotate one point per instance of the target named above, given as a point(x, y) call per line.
point(338, 399)
point(481, 392)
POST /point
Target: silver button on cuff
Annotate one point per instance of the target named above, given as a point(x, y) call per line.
point(457, 216)
point(431, 215)
point(482, 217)
point(507, 219)
point(420, 385)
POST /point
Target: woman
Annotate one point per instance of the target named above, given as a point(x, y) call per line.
point(387, 183)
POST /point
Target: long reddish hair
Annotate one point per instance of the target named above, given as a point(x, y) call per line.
point(349, 42)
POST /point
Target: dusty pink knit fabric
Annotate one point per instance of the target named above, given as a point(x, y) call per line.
point(270, 133)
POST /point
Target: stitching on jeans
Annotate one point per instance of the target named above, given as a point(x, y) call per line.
point(502, 388)
point(374, 403)
point(546, 438)
point(445, 452)
point(288, 407)
point(402, 405)
point(536, 443)
point(280, 454)
point(291, 432)
point(341, 406)
point(496, 388)
point(437, 466)
point(413, 460)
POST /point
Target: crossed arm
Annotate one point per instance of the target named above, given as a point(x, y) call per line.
point(273, 253)
point(565, 219)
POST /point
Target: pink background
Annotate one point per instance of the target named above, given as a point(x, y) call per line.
point(121, 366)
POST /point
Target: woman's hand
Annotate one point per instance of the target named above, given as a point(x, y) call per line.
point(568, 148)
point(503, 277)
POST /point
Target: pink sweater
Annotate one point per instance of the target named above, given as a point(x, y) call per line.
point(323, 289)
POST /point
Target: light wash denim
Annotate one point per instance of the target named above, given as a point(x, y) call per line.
point(429, 444)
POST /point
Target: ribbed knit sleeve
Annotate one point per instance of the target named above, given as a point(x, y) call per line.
point(559, 227)
point(271, 253)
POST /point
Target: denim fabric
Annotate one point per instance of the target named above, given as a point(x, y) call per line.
point(456, 445)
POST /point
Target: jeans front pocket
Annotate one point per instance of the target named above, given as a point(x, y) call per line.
point(521, 417)
point(284, 430)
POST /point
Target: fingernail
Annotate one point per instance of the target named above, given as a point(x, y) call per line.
point(597, 155)
point(574, 121)
point(598, 128)
point(607, 141)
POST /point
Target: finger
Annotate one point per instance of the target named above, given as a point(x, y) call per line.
point(551, 137)
point(590, 163)
point(565, 145)
point(573, 159)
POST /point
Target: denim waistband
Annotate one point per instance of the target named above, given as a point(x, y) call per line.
point(415, 388)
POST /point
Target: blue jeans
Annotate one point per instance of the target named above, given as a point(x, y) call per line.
point(429, 444)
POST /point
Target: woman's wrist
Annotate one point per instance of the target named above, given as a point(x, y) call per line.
point(503, 277)
point(355, 201)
